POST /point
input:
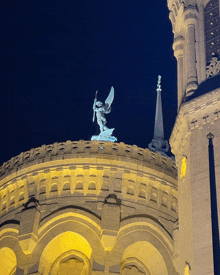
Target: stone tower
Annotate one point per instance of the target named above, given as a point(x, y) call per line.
point(88, 207)
point(196, 28)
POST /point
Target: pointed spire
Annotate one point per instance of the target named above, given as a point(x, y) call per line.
point(158, 144)
point(158, 127)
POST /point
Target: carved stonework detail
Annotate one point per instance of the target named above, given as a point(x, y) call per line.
point(55, 151)
point(174, 7)
point(133, 266)
point(73, 178)
point(71, 266)
point(213, 68)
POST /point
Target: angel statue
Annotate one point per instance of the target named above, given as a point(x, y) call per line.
point(100, 110)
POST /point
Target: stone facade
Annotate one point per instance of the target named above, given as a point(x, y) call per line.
point(195, 121)
point(196, 28)
point(88, 207)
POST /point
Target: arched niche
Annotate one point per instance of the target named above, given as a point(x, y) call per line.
point(68, 249)
point(144, 258)
point(133, 266)
point(71, 262)
point(8, 261)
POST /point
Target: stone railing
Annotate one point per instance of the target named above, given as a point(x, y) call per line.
point(67, 149)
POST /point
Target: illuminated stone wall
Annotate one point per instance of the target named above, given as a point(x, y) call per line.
point(189, 142)
point(88, 208)
point(196, 29)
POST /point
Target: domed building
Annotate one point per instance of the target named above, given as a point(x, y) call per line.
point(88, 207)
point(101, 207)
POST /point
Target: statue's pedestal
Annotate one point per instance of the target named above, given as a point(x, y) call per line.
point(105, 136)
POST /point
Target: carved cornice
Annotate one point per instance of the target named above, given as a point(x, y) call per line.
point(71, 149)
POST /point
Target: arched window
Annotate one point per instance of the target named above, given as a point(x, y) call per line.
point(66, 253)
point(142, 258)
point(212, 30)
point(133, 266)
point(71, 262)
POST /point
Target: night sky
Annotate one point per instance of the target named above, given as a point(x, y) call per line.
point(56, 54)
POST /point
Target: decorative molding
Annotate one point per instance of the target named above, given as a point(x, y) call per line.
point(174, 7)
point(52, 184)
point(132, 265)
point(81, 263)
point(178, 47)
point(174, 4)
point(70, 149)
point(190, 16)
point(213, 68)
point(191, 7)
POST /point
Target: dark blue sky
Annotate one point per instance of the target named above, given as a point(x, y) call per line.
point(56, 54)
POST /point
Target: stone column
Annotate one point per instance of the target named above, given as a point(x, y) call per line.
point(178, 45)
point(110, 221)
point(29, 222)
point(191, 21)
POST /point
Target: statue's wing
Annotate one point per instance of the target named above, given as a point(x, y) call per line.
point(109, 99)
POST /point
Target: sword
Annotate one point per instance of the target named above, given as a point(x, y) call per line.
point(93, 119)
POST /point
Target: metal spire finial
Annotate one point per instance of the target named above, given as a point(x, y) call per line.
point(158, 144)
point(158, 83)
